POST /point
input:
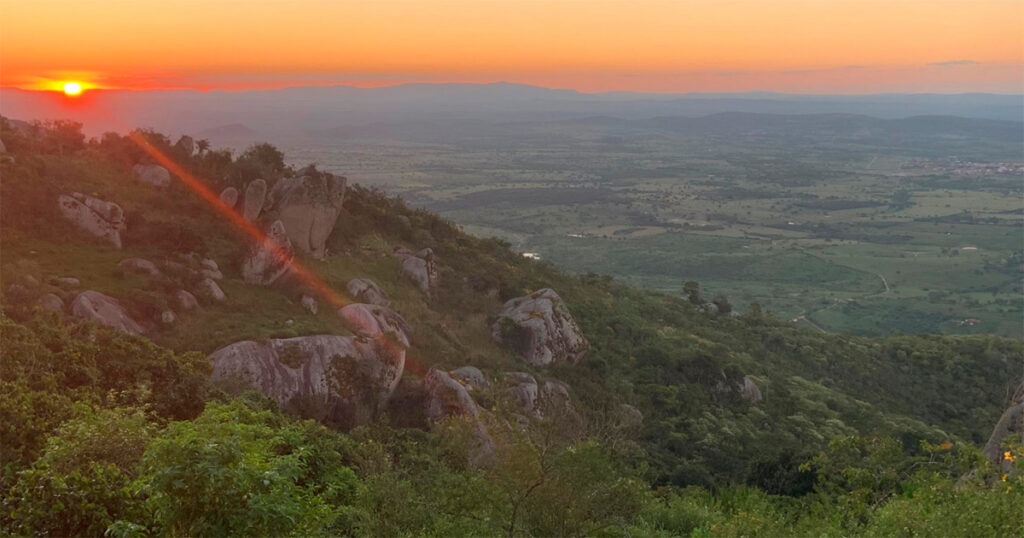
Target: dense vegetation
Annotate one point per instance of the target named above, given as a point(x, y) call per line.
point(109, 433)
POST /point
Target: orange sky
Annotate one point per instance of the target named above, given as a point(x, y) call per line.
point(828, 46)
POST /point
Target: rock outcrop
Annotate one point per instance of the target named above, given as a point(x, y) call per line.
point(420, 267)
point(1010, 423)
point(524, 390)
point(255, 197)
point(373, 321)
point(229, 197)
point(337, 379)
point(446, 397)
point(540, 328)
point(749, 391)
point(266, 261)
point(154, 174)
point(105, 310)
point(308, 207)
point(367, 291)
point(186, 144)
point(97, 217)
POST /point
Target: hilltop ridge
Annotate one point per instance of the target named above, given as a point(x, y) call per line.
point(435, 328)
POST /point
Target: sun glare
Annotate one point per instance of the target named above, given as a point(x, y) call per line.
point(72, 88)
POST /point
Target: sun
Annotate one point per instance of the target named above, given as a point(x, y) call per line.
point(72, 89)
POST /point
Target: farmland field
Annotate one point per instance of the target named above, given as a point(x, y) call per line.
point(842, 223)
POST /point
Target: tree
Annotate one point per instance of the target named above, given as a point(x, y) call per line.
point(691, 290)
point(240, 471)
point(80, 485)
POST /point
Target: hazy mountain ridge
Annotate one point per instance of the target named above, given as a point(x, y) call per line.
point(291, 111)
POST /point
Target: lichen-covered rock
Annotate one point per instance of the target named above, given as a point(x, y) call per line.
point(105, 310)
point(373, 321)
point(309, 207)
point(447, 397)
point(255, 197)
point(541, 329)
point(266, 261)
point(471, 377)
point(139, 265)
point(339, 379)
point(1010, 423)
point(101, 219)
point(154, 174)
point(185, 300)
point(367, 291)
point(229, 197)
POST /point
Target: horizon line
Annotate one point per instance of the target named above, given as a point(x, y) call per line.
point(508, 83)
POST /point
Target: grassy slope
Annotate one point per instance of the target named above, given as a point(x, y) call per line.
point(652, 350)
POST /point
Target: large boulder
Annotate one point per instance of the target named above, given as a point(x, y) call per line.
point(105, 310)
point(309, 207)
point(337, 379)
point(186, 144)
point(420, 267)
point(367, 291)
point(1010, 423)
point(373, 321)
point(267, 260)
point(541, 329)
point(255, 197)
point(97, 217)
point(229, 197)
point(524, 390)
point(446, 397)
point(154, 174)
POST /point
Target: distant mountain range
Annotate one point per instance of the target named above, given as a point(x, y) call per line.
point(282, 114)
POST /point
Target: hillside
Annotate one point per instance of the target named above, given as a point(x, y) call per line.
point(667, 390)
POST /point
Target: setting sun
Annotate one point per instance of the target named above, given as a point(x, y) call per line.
point(72, 88)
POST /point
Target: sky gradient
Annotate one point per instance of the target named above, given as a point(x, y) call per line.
point(800, 46)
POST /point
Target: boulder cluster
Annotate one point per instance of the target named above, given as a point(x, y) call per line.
point(339, 379)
